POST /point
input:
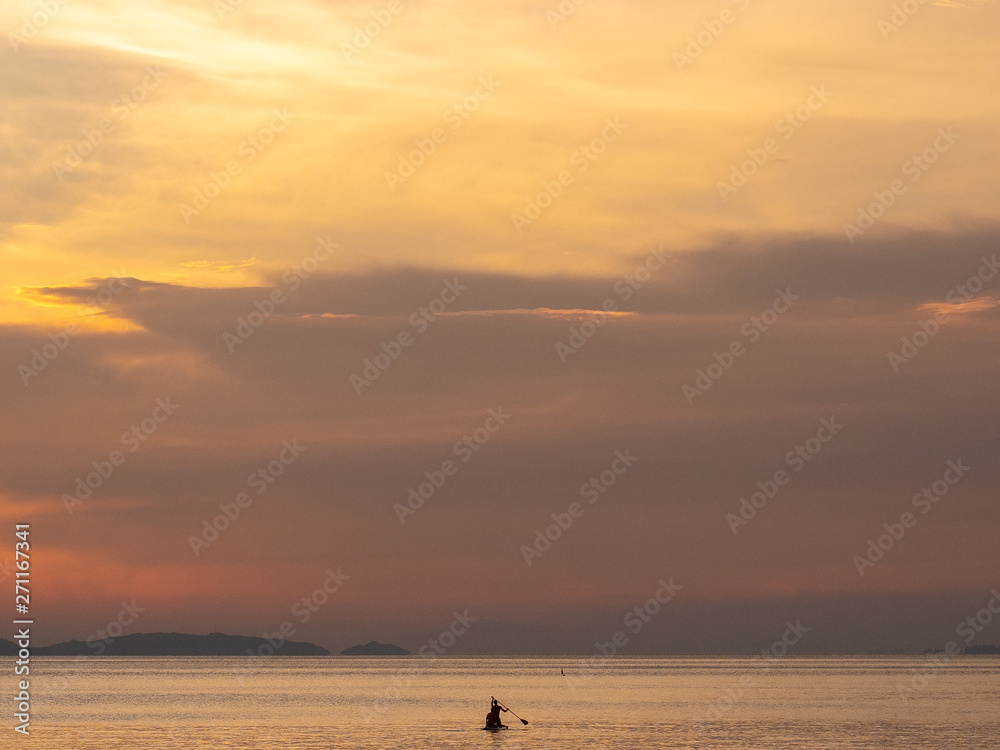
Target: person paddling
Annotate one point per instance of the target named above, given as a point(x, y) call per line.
point(493, 717)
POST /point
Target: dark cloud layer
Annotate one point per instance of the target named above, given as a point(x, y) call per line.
point(826, 357)
point(732, 277)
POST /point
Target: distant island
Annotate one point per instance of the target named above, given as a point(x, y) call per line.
point(974, 650)
point(219, 644)
point(171, 644)
point(374, 648)
point(967, 651)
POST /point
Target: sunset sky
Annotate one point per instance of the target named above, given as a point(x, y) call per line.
point(247, 209)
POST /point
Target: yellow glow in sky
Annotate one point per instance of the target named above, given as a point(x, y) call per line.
point(208, 143)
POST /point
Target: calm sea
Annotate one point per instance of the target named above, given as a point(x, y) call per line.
point(337, 702)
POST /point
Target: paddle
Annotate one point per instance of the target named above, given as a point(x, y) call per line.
point(523, 721)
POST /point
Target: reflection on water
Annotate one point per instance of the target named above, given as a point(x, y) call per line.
point(672, 702)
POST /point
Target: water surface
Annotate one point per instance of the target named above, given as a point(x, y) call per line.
point(396, 702)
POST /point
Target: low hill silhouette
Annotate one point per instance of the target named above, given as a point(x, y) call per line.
point(180, 644)
point(993, 650)
point(374, 648)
